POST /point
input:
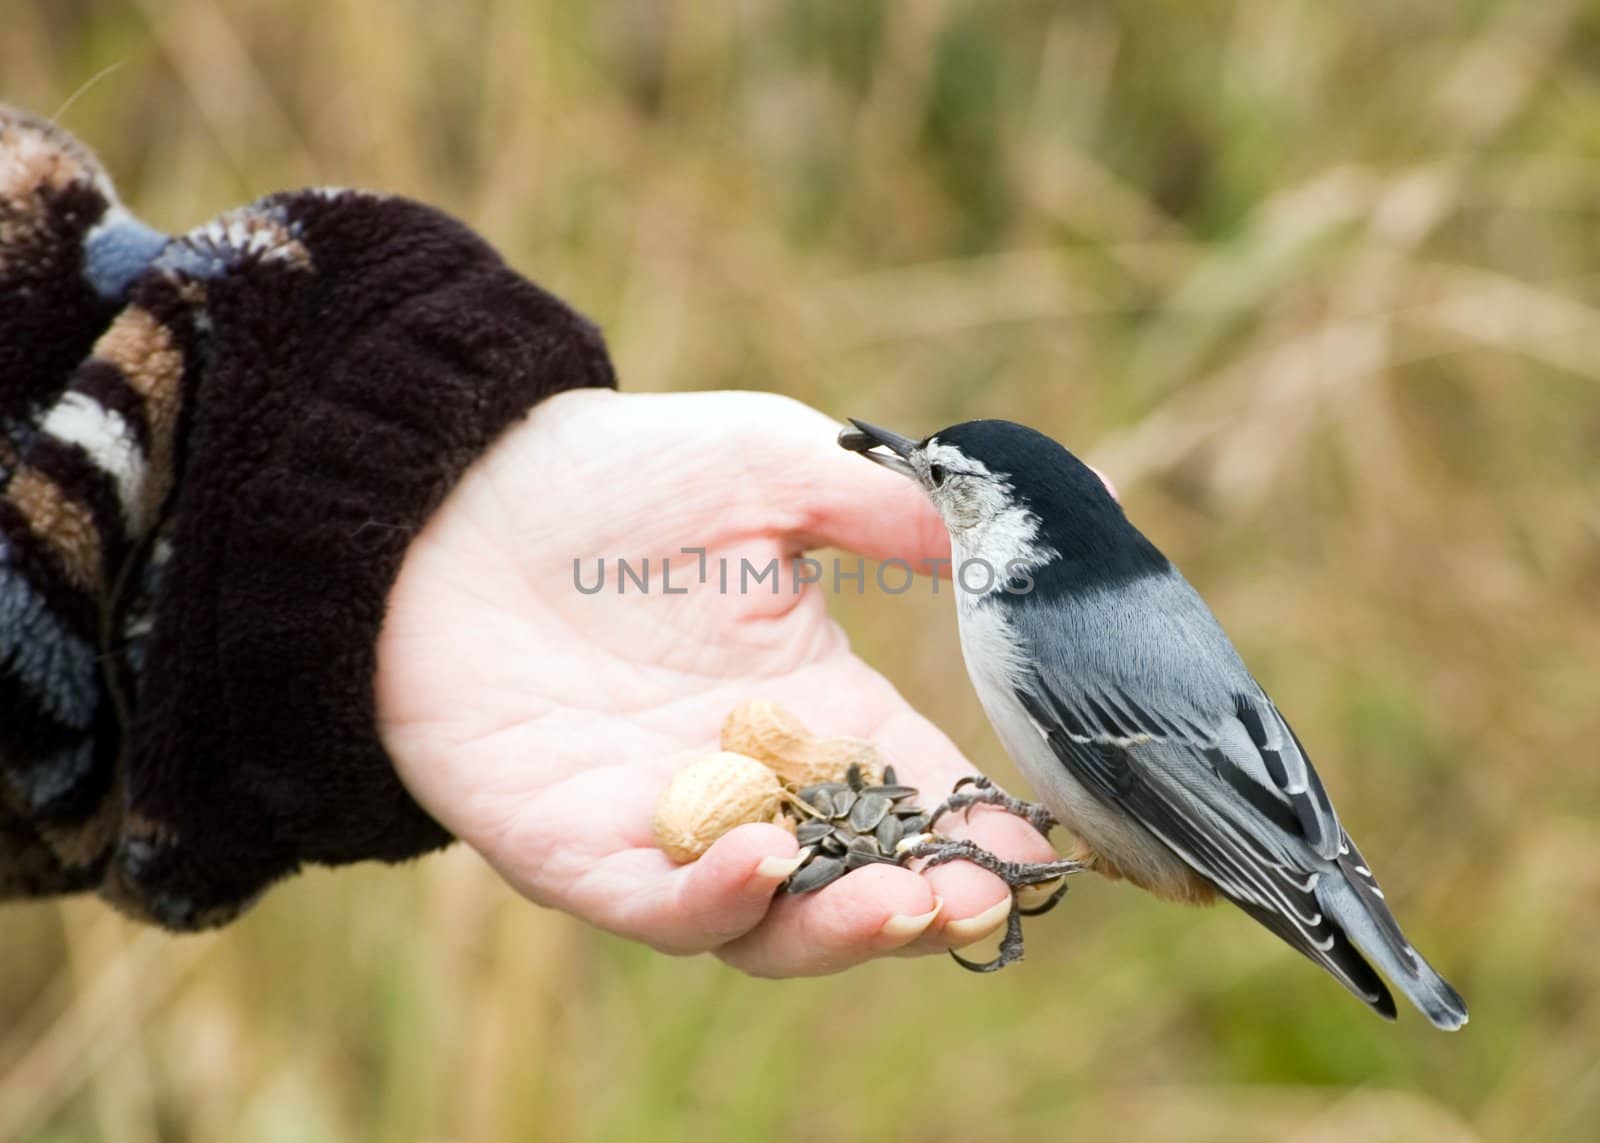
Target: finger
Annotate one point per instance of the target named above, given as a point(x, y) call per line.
point(726, 893)
point(641, 893)
point(828, 497)
point(855, 505)
point(866, 914)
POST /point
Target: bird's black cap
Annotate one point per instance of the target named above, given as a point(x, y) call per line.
point(1078, 516)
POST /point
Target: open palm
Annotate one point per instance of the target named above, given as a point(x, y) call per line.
point(539, 722)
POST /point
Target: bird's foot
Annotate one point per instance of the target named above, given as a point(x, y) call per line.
point(984, 792)
point(1016, 875)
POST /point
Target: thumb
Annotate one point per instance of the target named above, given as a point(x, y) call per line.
point(824, 496)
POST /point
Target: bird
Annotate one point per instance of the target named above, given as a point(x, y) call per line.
point(1123, 702)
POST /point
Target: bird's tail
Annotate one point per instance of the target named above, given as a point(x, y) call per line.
point(1356, 903)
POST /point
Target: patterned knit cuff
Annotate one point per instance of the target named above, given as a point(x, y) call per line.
point(355, 354)
point(67, 252)
point(205, 517)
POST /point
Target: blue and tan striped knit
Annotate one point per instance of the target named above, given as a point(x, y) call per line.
point(194, 432)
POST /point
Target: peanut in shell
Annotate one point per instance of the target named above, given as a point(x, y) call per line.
point(762, 730)
point(712, 796)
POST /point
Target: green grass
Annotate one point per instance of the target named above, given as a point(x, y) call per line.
point(1315, 283)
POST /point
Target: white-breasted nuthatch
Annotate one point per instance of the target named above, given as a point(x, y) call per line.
point(1114, 689)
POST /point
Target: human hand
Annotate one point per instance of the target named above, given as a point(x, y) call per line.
point(540, 724)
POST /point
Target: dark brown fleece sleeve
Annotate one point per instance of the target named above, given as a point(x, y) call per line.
point(294, 388)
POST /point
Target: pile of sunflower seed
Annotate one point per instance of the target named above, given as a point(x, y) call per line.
point(845, 825)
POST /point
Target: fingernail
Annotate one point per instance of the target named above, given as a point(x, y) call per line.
point(1032, 896)
point(974, 929)
point(777, 868)
point(901, 928)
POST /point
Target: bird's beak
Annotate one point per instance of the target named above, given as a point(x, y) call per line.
point(865, 439)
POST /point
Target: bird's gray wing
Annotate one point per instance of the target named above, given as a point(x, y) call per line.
point(1290, 775)
point(1149, 657)
point(1172, 783)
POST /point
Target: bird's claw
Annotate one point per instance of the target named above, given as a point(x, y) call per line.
point(1016, 875)
point(985, 793)
point(1010, 945)
point(1047, 904)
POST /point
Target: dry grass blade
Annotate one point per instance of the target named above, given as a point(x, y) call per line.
point(134, 983)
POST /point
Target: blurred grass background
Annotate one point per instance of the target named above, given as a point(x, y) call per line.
point(1316, 284)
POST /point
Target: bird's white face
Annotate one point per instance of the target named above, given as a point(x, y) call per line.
point(968, 495)
point(980, 508)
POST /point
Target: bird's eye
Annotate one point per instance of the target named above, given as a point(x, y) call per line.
point(936, 474)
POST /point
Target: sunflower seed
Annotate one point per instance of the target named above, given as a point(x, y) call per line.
point(868, 811)
point(847, 825)
point(857, 858)
point(914, 822)
point(894, 793)
point(819, 872)
point(888, 833)
point(830, 788)
point(809, 833)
